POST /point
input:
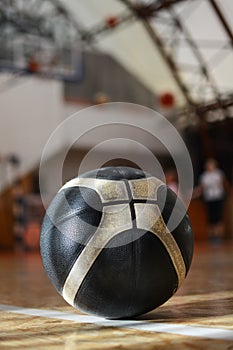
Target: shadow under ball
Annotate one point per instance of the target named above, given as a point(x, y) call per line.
point(106, 247)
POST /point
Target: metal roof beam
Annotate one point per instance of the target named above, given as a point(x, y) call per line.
point(157, 6)
point(197, 53)
point(203, 108)
point(222, 20)
point(169, 60)
point(146, 11)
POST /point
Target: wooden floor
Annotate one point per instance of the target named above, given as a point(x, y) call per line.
point(199, 316)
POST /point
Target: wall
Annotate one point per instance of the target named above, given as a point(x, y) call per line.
point(102, 73)
point(30, 109)
point(29, 112)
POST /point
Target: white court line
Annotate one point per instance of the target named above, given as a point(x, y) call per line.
point(172, 328)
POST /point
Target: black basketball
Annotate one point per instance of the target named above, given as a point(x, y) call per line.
point(106, 244)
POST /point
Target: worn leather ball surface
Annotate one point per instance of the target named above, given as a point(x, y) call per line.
point(106, 247)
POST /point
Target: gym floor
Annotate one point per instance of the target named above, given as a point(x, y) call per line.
point(199, 316)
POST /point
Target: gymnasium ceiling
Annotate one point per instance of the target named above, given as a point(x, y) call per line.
point(178, 46)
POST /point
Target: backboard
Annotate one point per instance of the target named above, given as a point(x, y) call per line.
point(29, 57)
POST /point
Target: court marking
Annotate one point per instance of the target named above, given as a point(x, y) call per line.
point(171, 328)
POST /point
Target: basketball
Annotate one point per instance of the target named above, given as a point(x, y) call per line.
point(106, 244)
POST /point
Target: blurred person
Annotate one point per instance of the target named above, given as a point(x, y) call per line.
point(171, 179)
point(214, 188)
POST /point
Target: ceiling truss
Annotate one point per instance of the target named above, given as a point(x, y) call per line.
point(50, 21)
